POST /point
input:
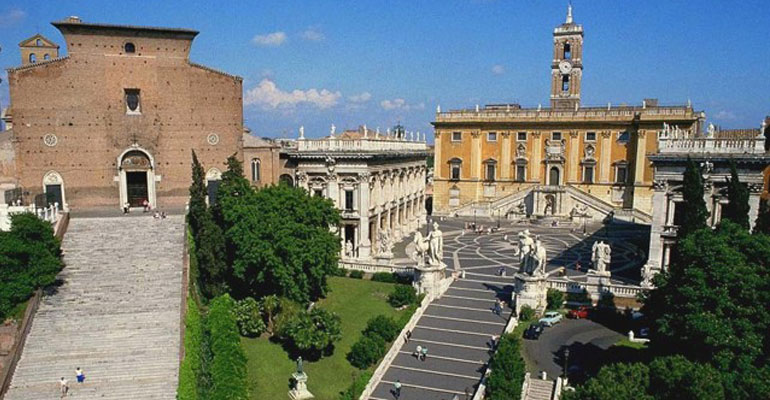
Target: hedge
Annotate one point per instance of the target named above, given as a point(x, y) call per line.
point(353, 392)
point(382, 326)
point(366, 351)
point(356, 274)
point(402, 295)
point(228, 365)
point(386, 277)
point(191, 369)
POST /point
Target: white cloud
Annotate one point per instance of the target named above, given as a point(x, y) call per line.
point(363, 97)
point(11, 17)
point(400, 104)
point(274, 39)
point(268, 96)
point(725, 115)
point(313, 34)
point(498, 69)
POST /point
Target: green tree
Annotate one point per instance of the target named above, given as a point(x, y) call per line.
point(382, 326)
point(615, 382)
point(270, 306)
point(677, 378)
point(228, 364)
point(29, 259)
point(210, 253)
point(711, 306)
point(508, 369)
point(314, 333)
point(737, 209)
point(197, 196)
point(278, 238)
point(695, 214)
point(762, 224)
point(366, 351)
point(249, 318)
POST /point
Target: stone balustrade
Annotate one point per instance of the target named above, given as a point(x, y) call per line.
point(360, 145)
point(50, 213)
point(500, 113)
point(711, 145)
point(372, 267)
point(593, 289)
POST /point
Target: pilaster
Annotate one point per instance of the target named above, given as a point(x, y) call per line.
point(605, 151)
point(505, 158)
point(536, 157)
point(573, 163)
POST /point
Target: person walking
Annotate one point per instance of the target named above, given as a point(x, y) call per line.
point(467, 393)
point(418, 351)
point(424, 353)
point(397, 389)
point(64, 387)
point(126, 207)
point(81, 377)
point(408, 335)
point(498, 309)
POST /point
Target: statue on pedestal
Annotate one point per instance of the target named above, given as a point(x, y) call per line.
point(524, 251)
point(421, 247)
point(539, 258)
point(600, 256)
point(299, 390)
point(647, 276)
point(348, 249)
point(436, 246)
point(385, 244)
point(578, 211)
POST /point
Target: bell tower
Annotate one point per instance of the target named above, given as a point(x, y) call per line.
point(567, 65)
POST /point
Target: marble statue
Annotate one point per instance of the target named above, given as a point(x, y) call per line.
point(299, 365)
point(333, 129)
point(539, 257)
point(579, 210)
point(384, 241)
point(524, 251)
point(600, 256)
point(349, 249)
point(711, 130)
point(421, 247)
point(302, 132)
point(647, 275)
point(549, 205)
point(436, 246)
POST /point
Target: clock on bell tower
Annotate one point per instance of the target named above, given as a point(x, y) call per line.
point(567, 65)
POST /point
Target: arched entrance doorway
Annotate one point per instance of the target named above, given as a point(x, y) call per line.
point(136, 170)
point(53, 188)
point(553, 178)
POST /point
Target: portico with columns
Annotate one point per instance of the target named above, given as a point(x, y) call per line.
point(377, 183)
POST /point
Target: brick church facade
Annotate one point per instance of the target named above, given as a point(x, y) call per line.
point(115, 121)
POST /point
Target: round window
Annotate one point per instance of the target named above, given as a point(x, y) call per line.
point(129, 47)
point(50, 140)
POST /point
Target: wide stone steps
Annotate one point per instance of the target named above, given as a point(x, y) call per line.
point(116, 314)
point(539, 389)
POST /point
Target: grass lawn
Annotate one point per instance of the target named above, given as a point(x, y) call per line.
point(356, 301)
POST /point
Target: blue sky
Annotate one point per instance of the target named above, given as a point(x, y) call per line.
point(377, 62)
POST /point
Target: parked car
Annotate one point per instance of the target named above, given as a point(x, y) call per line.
point(550, 318)
point(533, 332)
point(578, 313)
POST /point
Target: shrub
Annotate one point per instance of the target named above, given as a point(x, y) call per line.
point(508, 370)
point(366, 351)
point(289, 312)
point(555, 299)
point(382, 326)
point(526, 313)
point(191, 369)
point(249, 318)
point(356, 274)
point(228, 364)
point(406, 316)
point(353, 392)
point(314, 333)
point(402, 295)
point(384, 277)
point(580, 297)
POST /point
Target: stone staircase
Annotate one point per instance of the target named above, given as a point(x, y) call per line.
point(116, 314)
point(539, 389)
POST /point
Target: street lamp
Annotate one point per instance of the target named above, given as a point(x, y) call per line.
point(474, 219)
point(498, 219)
point(566, 361)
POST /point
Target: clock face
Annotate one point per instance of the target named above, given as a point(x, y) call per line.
point(565, 67)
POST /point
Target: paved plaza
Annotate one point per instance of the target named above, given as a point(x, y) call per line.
point(457, 328)
point(116, 314)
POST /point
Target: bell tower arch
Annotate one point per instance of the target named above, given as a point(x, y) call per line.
point(567, 65)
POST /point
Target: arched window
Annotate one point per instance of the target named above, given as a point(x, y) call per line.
point(38, 42)
point(129, 48)
point(47, 56)
point(455, 167)
point(567, 51)
point(565, 83)
point(255, 170)
point(32, 58)
point(286, 179)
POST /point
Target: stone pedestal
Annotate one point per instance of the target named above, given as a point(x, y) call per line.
point(300, 391)
point(531, 291)
point(428, 278)
point(601, 279)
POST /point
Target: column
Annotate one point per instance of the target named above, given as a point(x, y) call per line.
point(660, 217)
point(537, 151)
point(505, 157)
point(333, 190)
point(605, 151)
point(641, 155)
point(755, 190)
point(437, 161)
point(364, 244)
point(475, 162)
point(573, 162)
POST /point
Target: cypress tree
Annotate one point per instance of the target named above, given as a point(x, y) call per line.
point(197, 196)
point(762, 224)
point(737, 210)
point(695, 214)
